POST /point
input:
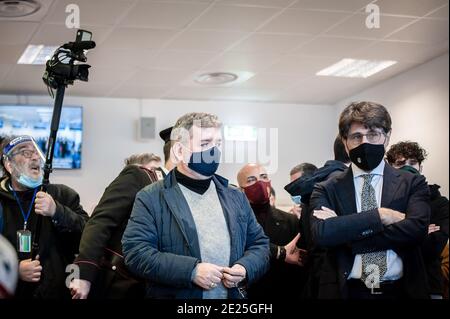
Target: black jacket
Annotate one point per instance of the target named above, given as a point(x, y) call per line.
point(282, 280)
point(435, 242)
point(59, 240)
point(354, 233)
point(317, 262)
point(100, 259)
point(304, 185)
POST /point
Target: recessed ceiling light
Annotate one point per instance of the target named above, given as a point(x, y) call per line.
point(220, 79)
point(352, 68)
point(36, 54)
point(18, 8)
point(216, 78)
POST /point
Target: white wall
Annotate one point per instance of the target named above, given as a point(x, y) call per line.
point(110, 136)
point(418, 101)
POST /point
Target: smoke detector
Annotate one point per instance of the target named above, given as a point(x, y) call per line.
point(18, 8)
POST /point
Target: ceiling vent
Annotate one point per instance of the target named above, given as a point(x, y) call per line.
point(18, 8)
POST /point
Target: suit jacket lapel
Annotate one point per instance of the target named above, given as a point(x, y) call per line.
point(180, 209)
point(390, 185)
point(346, 194)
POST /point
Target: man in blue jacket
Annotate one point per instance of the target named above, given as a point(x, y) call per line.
point(191, 235)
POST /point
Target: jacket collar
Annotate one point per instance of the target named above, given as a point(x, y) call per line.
point(379, 170)
point(346, 192)
point(346, 189)
point(390, 185)
point(180, 209)
point(4, 188)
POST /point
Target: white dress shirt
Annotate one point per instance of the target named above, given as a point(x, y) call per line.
point(164, 169)
point(394, 262)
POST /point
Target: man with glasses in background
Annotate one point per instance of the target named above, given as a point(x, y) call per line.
point(22, 201)
point(372, 218)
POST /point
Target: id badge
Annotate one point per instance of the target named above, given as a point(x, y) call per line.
point(24, 241)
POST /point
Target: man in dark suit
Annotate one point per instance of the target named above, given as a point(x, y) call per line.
point(372, 217)
point(282, 280)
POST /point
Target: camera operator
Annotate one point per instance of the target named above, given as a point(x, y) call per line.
point(63, 220)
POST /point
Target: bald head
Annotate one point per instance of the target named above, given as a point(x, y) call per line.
point(251, 173)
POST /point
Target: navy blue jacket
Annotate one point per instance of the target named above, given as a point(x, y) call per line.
point(160, 242)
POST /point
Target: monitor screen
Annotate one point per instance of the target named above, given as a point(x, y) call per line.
point(35, 120)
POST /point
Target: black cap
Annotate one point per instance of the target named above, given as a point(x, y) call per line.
point(165, 134)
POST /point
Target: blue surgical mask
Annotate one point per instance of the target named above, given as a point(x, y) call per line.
point(205, 163)
point(30, 182)
point(297, 199)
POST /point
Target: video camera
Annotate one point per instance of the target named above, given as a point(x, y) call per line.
point(61, 68)
point(61, 71)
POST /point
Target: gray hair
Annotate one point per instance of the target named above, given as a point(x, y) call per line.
point(182, 128)
point(142, 159)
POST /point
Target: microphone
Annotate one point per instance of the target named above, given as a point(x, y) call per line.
point(79, 46)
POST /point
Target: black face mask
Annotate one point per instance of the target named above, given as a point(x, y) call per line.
point(367, 156)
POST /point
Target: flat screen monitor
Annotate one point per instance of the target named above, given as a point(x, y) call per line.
point(35, 120)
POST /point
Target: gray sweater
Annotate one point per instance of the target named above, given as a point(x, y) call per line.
point(212, 232)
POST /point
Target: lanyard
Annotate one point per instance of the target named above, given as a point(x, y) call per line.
point(25, 217)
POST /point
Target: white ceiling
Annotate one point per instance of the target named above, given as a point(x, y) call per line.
point(154, 48)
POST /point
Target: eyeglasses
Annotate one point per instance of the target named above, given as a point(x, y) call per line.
point(26, 153)
point(373, 137)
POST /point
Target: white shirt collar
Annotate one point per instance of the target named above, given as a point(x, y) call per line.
point(379, 170)
point(164, 169)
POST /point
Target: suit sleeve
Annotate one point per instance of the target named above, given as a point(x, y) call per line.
point(273, 251)
point(343, 229)
point(409, 232)
point(257, 252)
point(110, 214)
point(140, 247)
